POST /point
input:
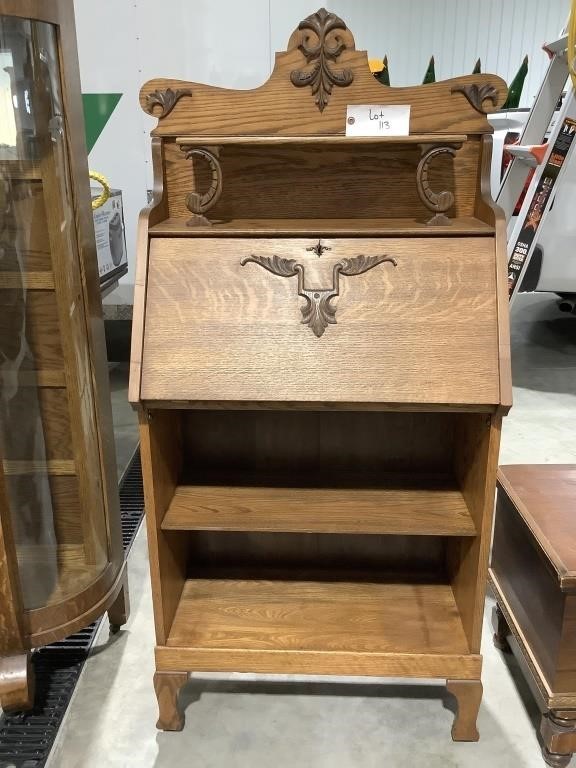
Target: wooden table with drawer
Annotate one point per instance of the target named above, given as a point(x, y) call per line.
point(320, 361)
point(533, 575)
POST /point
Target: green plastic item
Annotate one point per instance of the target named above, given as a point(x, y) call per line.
point(98, 108)
point(383, 76)
point(516, 86)
point(477, 68)
point(430, 76)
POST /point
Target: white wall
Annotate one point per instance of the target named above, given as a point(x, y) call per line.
point(122, 44)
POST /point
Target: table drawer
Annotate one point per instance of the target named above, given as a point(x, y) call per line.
point(398, 320)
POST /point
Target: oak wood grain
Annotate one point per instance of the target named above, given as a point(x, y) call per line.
point(477, 442)
point(268, 661)
point(416, 510)
point(343, 227)
point(309, 182)
point(41, 281)
point(316, 616)
point(488, 211)
point(247, 342)
point(468, 694)
point(167, 686)
point(277, 107)
point(291, 474)
point(148, 218)
point(160, 441)
point(12, 632)
point(267, 141)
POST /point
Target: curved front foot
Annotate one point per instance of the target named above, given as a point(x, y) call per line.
point(468, 694)
point(16, 682)
point(167, 686)
point(559, 737)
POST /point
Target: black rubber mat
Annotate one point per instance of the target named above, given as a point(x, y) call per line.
point(26, 738)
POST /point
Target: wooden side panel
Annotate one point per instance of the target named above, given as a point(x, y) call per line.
point(148, 217)
point(422, 331)
point(566, 664)
point(11, 610)
point(531, 588)
point(488, 211)
point(161, 449)
point(477, 442)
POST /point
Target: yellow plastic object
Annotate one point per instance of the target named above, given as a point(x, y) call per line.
point(572, 43)
point(376, 65)
point(101, 199)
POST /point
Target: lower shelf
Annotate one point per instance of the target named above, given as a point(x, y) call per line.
point(310, 627)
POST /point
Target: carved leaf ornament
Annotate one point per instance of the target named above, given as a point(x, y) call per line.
point(319, 53)
point(318, 312)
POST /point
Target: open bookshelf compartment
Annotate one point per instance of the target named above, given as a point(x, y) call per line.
point(288, 472)
point(368, 599)
point(315, 616)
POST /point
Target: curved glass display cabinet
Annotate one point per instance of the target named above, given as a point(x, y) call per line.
point(61, 557)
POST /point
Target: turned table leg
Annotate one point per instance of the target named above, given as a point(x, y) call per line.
point(559, 736)
point(468, 694)
point(120, 609)
point(167, 686)
point(16, 682)
point(501, 631)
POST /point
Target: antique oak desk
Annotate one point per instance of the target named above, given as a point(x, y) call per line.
point(533, 576)
point(320, 360)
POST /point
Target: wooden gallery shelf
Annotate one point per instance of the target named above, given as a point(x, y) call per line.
point(364, 628)
point(430, 511)
point(408, 227)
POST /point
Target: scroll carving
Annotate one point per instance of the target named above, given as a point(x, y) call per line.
point(437, 202)
point(478, 94)
point(318, 312)
point(198, 203)
point(167, 100)
point(327, 48)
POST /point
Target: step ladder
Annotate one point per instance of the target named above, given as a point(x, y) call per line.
point(547, 161)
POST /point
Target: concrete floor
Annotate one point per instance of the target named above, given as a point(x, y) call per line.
point(282, 722)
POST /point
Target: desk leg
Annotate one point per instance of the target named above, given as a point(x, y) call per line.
point(501, 630)
point(120, 609)
point(167, 686)
point(559, 736)
point(468, 694)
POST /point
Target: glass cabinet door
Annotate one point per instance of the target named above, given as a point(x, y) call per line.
point(48, 437)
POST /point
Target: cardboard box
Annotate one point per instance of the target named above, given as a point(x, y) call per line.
point(110, 237)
